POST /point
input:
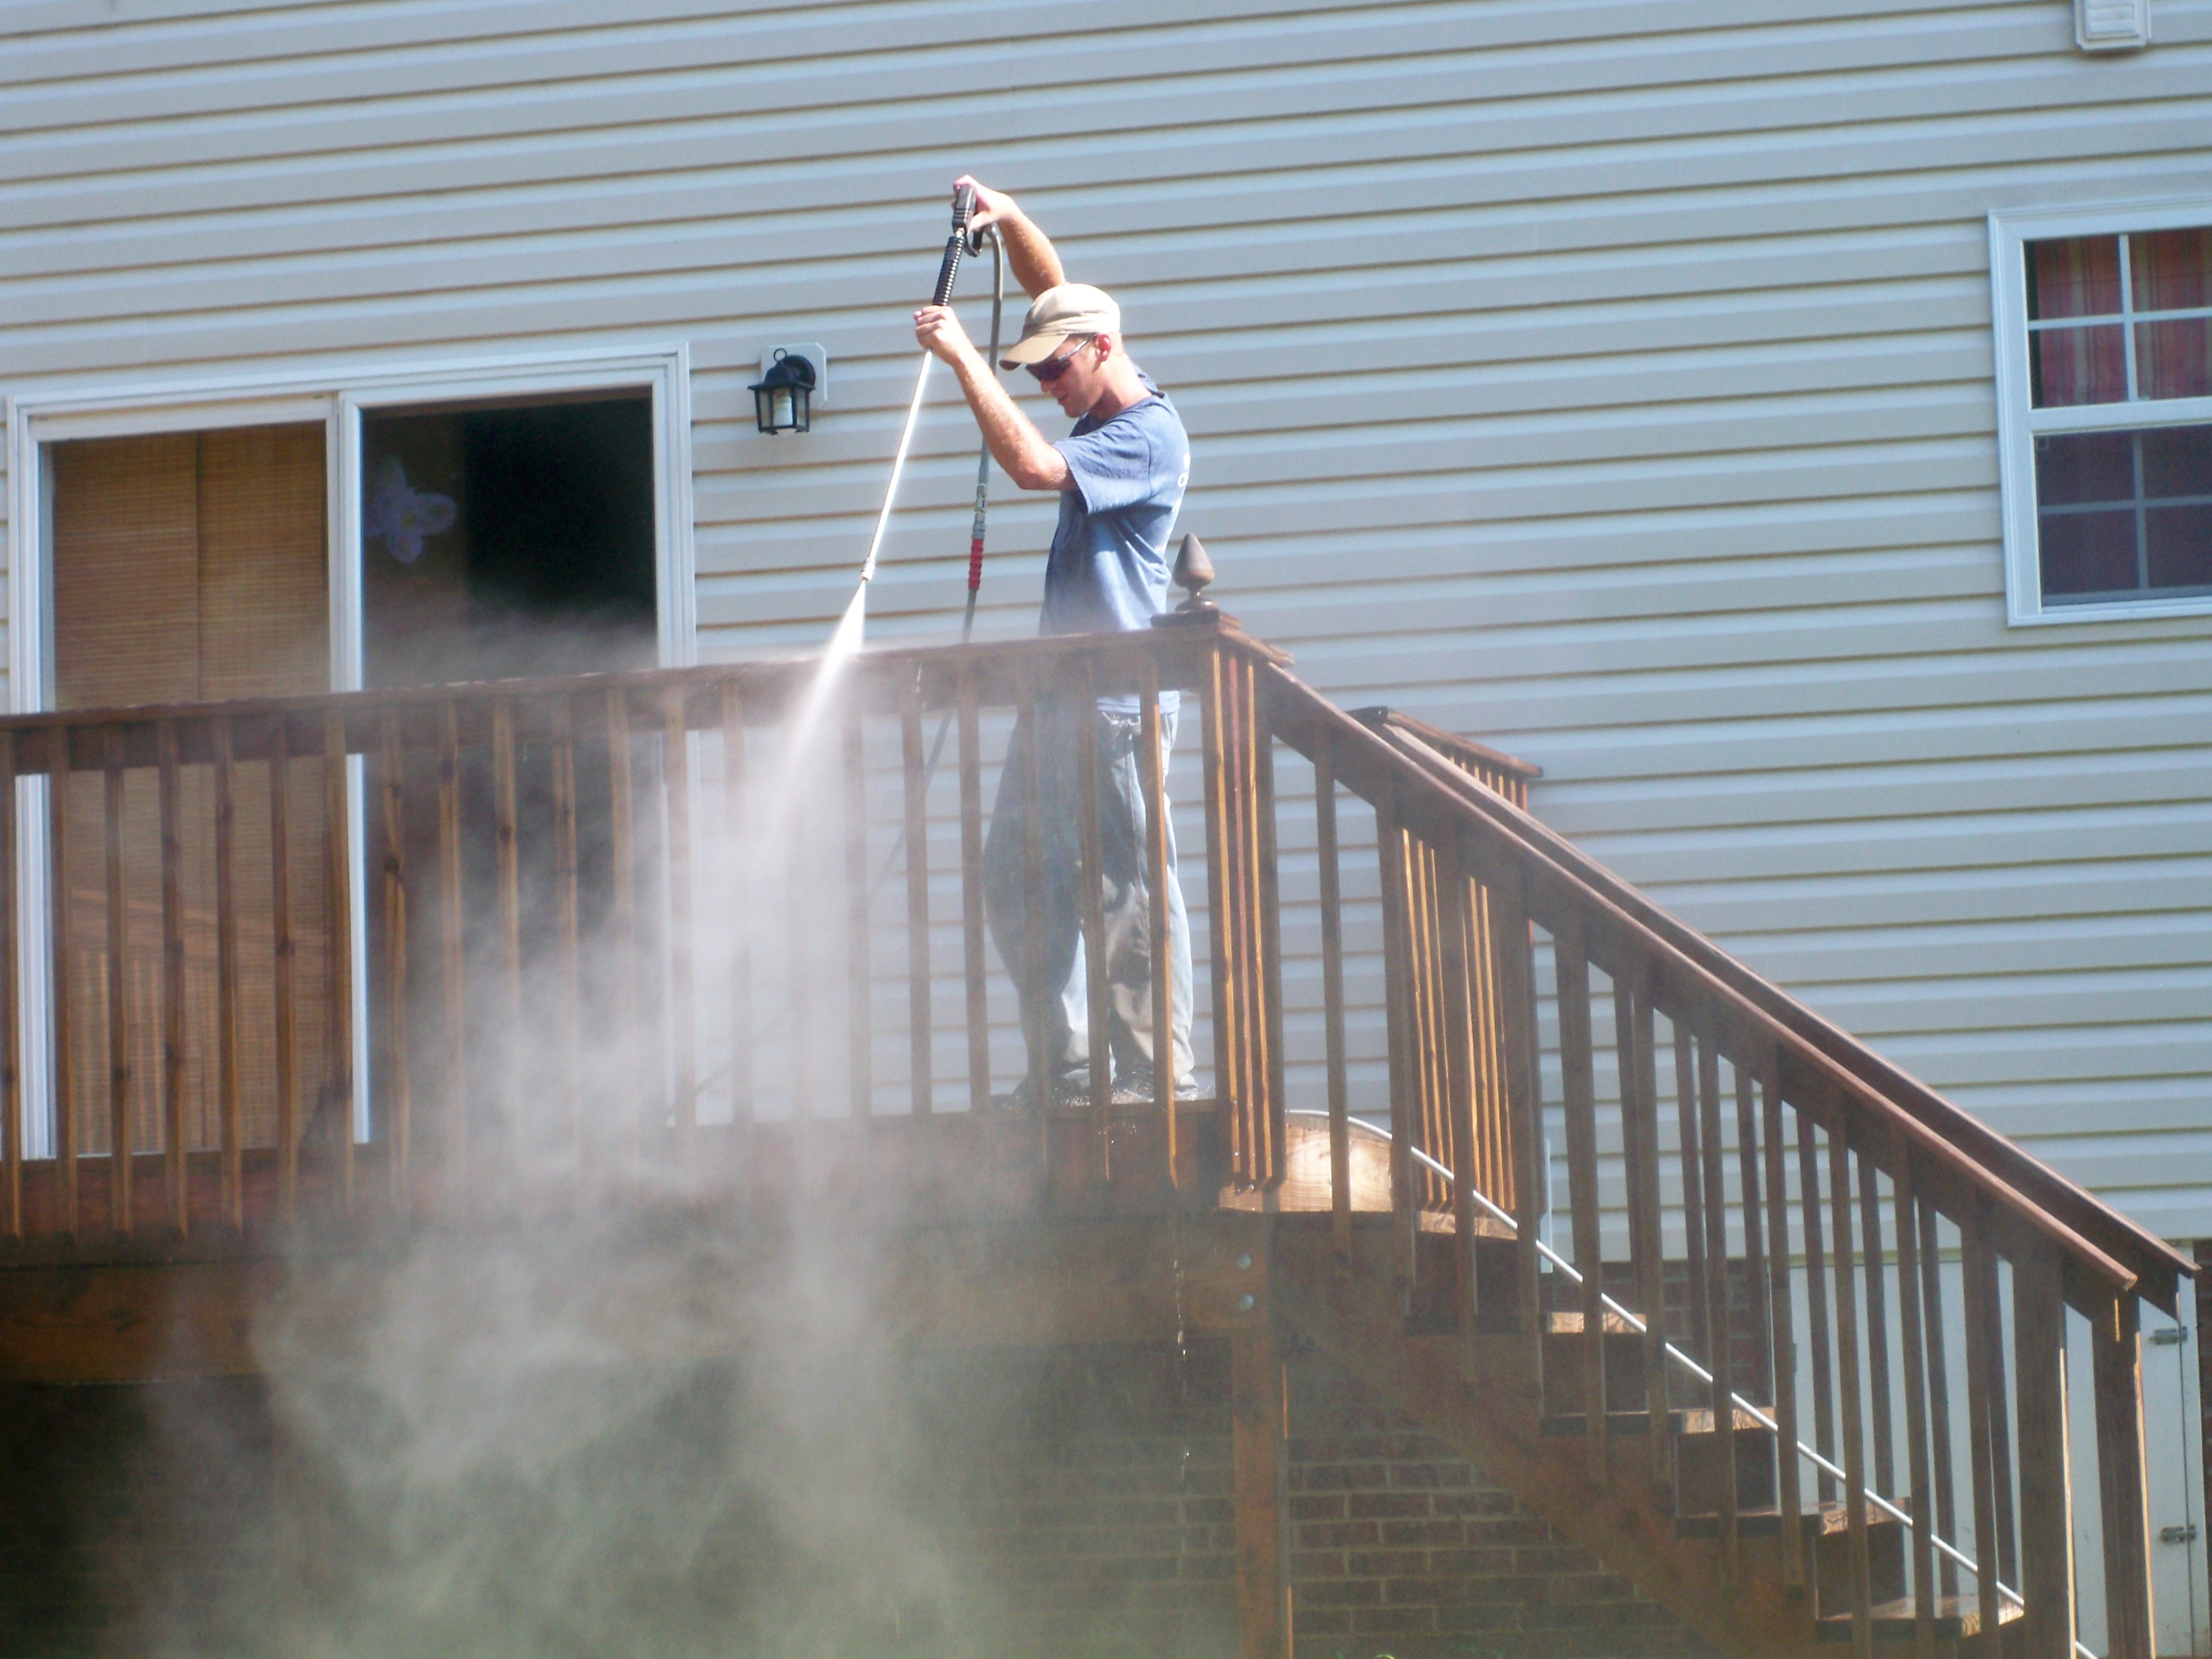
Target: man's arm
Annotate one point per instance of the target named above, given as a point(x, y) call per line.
point(1015, 444)
point(1029, 251)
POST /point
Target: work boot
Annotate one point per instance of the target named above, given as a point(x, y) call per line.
point(1134, 1085)
point(1067, 1089)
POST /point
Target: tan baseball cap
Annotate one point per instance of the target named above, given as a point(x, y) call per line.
point(1072, 308)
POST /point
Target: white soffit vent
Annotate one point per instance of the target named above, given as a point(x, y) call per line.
point(2112, 25)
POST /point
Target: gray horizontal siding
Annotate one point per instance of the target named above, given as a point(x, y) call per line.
point(1611, 381)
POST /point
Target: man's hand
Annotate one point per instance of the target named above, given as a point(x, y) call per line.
point(940, 334)
point(991, 205)
point(1028, 252)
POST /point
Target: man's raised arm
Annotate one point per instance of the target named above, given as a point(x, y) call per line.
point(1029, 251)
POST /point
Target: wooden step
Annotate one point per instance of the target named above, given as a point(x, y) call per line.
point(1437, 1299)
point(1563, 1363)
point(1828, 1528)
point(1701, 1467)
point(1957, 1617)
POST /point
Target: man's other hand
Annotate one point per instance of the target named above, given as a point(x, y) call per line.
point(991, 205)
point(940, 331)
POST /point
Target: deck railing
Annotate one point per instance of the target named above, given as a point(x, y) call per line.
point(700, 926)
point(1786, 1233)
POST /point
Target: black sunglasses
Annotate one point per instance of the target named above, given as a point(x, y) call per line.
point(1052, 368)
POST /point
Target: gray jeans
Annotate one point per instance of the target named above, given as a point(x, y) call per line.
point(1049, 968)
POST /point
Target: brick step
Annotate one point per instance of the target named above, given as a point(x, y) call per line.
point(1958, 1618)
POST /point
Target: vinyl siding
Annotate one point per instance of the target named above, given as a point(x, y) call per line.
point(1611, 381)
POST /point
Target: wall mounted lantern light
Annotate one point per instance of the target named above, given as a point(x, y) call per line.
point(782, 396)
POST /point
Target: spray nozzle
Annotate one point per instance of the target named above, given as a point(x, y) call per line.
point(963, 206)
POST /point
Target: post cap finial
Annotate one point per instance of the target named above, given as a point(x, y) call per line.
point(1194, 571)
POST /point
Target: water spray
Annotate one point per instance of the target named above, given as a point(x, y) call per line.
point(948, 272)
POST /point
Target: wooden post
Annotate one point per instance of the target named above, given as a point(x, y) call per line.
point(1576, 1066)
point(58, 942)
point(1781, 1321)
point(453, 977)
point(1151, 766)
point(225, 978)
point(1332, 996)
point(173, 982)
point(11, 1036)
point(1260, 1458)
point(288, 1035)
point(971, 898)
point(919, 1020)
point(120, 1149)
point(2047, 1487)
point(2117, 1374)
point(399, 1112)
point(338, 867)
point(683, 1011)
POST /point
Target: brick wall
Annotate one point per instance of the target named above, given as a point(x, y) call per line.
point(1073, 1501)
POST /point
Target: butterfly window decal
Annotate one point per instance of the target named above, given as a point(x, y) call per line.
point(402, 516)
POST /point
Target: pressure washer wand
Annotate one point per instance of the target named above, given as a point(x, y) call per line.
point(963, 204)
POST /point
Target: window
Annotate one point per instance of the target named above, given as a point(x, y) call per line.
point(2104, 327)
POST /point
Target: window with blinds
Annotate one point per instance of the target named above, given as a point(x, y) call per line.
point(189, 566)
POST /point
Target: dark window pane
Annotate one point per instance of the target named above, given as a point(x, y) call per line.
point(2073, 366)
point(2077, 467)
point(2087, 554)
point(2174, 359)
point(2179, 539)
point(2176, 461)
point(2075, 277)
point(2172, 269)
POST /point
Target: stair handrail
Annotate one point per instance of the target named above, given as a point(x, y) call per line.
point(1301, 717)
point(2157, 1267)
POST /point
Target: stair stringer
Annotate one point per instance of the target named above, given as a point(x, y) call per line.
point(1489, 1416)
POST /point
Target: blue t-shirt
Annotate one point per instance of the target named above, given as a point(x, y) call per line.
point(1110, 566)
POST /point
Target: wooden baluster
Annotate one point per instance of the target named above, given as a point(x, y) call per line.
point(1267, 1027)
point(2047, 1487)
point(119, 1146)
point(1426, 963)
point(1782, 1325)
point(1691, 1147)
point(918, 1018)
point(12, 1116)
point(1041, 1072)
point(1456, 1027)
point(859, 994)
point(338, 864)
point(1997, 1401)
point(1722, 1329)
point(569, 901)
point(398, 1085)
point(455, 961)
point(1514, 951)
point(1151, 766)
point(1939, 1390)
point(2116, 1370)
point(684, 1015)
point(176, 1178)
point(1756, 1295)
point(1639, 1106)
point(65, 1038)
point(621, 840)
point(287, 1034)
point(1578, 1089)
point(1332, 997)
point(1847, 1355)
point(1884, 1473)
point(1217, 725)
point(740, 857)
point(1816, 1302)
point(230, 1103)
point(65, 1091)
point(506, 833)
point(804, 855)
point(1090, 879)
point(1912, 1327)
point(971, 895)
point(1406, 1186)
point(1979, 1380)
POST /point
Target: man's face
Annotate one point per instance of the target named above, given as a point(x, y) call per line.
point(1079, 374)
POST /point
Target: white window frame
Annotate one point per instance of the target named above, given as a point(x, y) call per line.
point(337, 398)
point(2018, 424)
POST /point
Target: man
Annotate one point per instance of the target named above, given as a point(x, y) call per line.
point(1120, 475)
